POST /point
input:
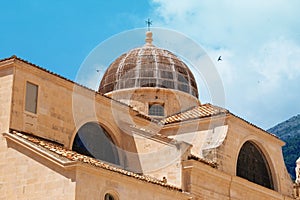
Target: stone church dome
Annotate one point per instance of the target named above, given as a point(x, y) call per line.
point(148, 66)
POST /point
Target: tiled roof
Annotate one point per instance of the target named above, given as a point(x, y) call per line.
point(138, 60)
point(60, 151)
point(202, 111)
point(203, 160)
point(205, 110)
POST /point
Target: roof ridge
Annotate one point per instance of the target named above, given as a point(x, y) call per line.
point(203, 160)
point(14, 57)
point(251, 124)
point(201, 111)
point(46, 70)
point(74, 156)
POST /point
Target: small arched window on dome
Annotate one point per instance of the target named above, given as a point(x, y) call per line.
point(156, 109)
point(253, 166)
point(109, 196)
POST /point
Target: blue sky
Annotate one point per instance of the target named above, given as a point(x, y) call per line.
point(59, 34)
point(259, 42)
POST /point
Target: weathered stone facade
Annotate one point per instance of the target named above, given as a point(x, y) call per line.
point(189, 155)
point(25, 175)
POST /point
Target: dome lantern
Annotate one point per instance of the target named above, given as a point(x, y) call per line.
point(148, 39)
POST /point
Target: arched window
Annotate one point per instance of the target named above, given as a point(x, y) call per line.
point(92, 140)
point(156, 109)
point(109, 196)
point(253, 166)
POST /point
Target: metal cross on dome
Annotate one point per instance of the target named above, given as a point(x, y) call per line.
point(149, 23)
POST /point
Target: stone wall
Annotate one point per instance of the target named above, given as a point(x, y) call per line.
point(226, 155)
point(173, 101)
point(95, 183)
point(22, 177)
point(162, 159)
point(53, 119)
point(240, 132)
point(205, 182)
point(6, 82)
point(62, 107)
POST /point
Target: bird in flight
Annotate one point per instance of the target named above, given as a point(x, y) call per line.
point(219, 59)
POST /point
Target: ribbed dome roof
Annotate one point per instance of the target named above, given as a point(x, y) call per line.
point(148, 66)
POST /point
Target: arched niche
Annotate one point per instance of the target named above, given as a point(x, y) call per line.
point(94, 141)
point(253, 166)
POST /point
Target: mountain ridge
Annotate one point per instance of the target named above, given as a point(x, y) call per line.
point(289, 132)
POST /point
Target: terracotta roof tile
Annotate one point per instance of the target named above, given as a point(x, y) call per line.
point(203, 160)
point(205, 110)
point(202, 111)
point(59, 150)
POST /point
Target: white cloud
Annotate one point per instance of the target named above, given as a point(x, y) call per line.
point(228, 23)
point(278, 61)
point(260, 47)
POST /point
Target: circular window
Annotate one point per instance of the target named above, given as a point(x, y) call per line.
point(109, 196)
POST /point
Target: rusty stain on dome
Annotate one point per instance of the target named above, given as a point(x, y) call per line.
point(148, 66)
